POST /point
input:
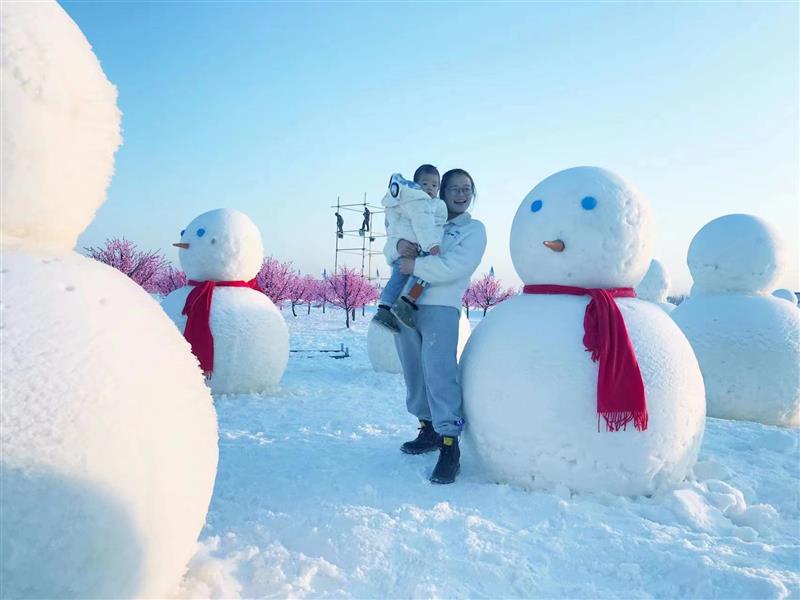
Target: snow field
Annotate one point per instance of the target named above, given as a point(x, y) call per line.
point(314, 499)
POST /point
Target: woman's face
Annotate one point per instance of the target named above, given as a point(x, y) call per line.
point(457, 195)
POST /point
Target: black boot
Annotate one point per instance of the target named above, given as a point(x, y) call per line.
point(448, 465)
point(427, 440)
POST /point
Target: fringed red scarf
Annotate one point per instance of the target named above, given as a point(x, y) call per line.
point(620, 389)
point(198, 310)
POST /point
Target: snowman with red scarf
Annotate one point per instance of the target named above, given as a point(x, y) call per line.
point(237, 334)
point(576, 382)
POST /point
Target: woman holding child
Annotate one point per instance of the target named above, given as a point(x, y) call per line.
point(428, 350)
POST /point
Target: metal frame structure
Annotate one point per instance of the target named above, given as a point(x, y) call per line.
point(368, 237)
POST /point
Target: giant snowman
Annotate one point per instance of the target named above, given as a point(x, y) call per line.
point(246, 339)
point(746, 340)
point(531, 394)
point(109, 438)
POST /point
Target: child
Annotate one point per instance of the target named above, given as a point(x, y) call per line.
point(413, 213)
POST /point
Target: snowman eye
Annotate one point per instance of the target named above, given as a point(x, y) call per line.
point(182, 232)
point(589, 203)
point(201, 232)
point(536, 206)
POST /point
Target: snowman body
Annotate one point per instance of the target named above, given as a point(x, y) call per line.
point(251, 340)
point(747, 341)
point(530, 386)
point(109, 437)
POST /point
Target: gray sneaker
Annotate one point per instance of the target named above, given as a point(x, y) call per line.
point(386, 319)
point(404, 309)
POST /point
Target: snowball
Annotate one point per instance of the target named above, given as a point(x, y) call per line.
point(736, 253)
point(748, 347)
point(222, 245)
point(251, 340)
point(109, 445)
point(602, 221)
point(530, 399)
point(382, 351)
point(786, 295)
point(61, 127)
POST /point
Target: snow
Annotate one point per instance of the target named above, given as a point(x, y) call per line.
point(748, 347)
point(655, 286)
point(251, 342)
point(109, 437)
point(785, 295)
point(736, 253)
point(382, 351)
point(314, 499)
point(221, 245)
point(603, 250)
point(61, 127)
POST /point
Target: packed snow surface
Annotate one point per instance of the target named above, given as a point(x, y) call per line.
point(748, 347)
point(603, 221)
point(109, 439)
point(736, 253)
point(786, 295)
point(532, 405)
point(60, 127)
point(654, 287)
point(314, 499)
point(251, 341)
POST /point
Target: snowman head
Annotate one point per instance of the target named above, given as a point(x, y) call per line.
point(655, 285)
point(60, 127)
point(221, 245)
point(582, 227)
point(735, 253)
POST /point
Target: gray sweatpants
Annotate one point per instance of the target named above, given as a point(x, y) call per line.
point(428, 355)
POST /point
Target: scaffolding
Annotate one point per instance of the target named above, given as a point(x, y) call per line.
point(366, 233)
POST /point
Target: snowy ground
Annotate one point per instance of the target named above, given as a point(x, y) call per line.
point(314, 499)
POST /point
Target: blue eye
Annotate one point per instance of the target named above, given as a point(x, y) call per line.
point(536, 206)
point(182, 232)
point(589, 203)
point(201, 232)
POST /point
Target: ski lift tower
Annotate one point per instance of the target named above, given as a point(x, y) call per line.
point(358, 241)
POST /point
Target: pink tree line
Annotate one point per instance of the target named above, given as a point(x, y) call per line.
point(486, 292)
point(345, 289)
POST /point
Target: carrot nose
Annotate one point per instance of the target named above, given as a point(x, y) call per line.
point(183, 245)
point(555, 245)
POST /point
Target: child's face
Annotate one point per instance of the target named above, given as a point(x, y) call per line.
point(430, 183)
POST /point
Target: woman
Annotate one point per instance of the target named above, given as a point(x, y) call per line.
point(428, 352)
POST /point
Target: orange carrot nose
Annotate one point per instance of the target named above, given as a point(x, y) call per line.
point(182, 245)
point(555, 245)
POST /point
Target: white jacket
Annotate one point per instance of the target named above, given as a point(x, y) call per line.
point(413, 216)
point(448, 273)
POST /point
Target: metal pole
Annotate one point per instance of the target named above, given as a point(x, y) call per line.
point(336, 257)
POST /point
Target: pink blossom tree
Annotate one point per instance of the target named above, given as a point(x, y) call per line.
point(169, 280)
point(143, 266)
point(275, 279)
point(322, 292)
point(349, 290)
point(301, 289)
point(311, 291)
point(486, 292)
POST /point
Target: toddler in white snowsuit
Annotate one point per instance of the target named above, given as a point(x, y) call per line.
point(415, 214)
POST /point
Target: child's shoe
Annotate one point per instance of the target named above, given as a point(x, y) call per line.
point(404, 309)
point(386, 319)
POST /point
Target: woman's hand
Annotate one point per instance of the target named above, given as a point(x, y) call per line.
point(406, 249)
point(407, 266)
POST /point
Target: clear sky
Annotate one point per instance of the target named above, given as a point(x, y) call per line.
point(277, 108)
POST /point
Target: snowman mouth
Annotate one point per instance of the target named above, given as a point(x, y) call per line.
point(183, 245)
point(555, 245)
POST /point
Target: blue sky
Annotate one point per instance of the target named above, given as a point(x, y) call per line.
point(278, 108)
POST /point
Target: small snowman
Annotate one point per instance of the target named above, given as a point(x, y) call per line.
point(382, 351)
point(785, 294)
point(236, 332)
point(655, 285)
point(746, 340)
point(109, 437)
point(576, 382)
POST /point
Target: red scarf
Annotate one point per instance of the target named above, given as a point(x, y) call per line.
point(198, 310)
point(620, 389)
